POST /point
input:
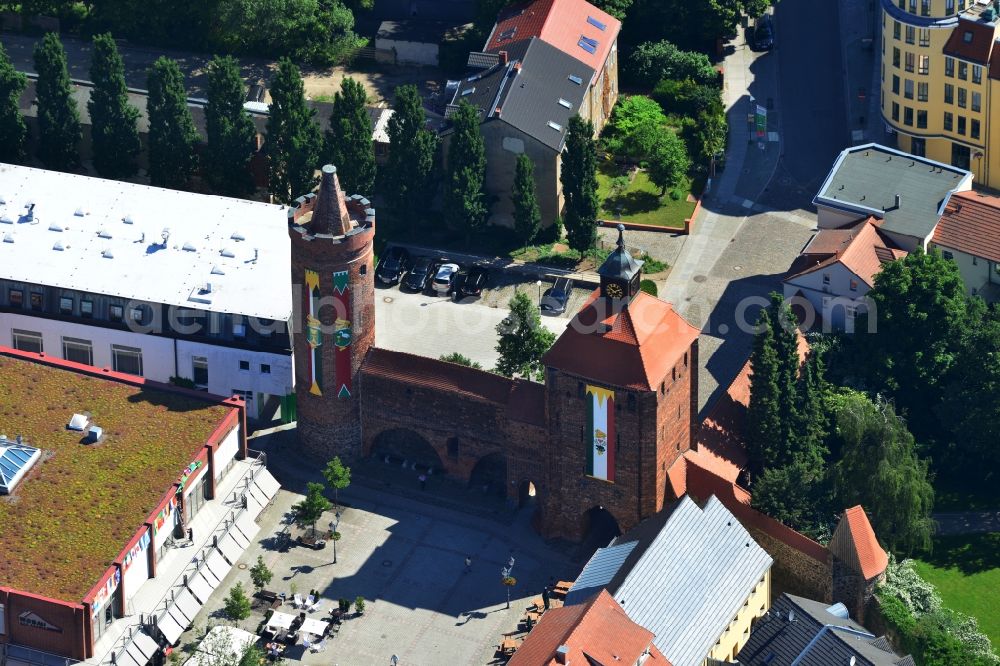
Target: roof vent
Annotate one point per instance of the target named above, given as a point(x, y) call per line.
point(108, 254)
point(165, 234)
point(78, 422)
point(237, 236)
point(128, 219)
point(217, 271)
point(468, 91)
point(58, 247)
point(8, 237)
point(79, 212)
point(188, 247)
point(205, 288)
point(94, 434)
point(226, 252)
point(562, 654)
point(55, 227)
point(6, 219)
point(839, 610)
point(104, 233)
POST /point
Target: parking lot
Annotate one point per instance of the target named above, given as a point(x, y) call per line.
point(427, 324)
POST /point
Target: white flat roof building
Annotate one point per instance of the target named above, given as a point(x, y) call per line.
point(145, 243)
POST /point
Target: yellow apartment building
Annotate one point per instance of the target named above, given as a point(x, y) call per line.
point(938, 84)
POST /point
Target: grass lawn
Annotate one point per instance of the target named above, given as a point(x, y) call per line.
point(966, 571)
point(641, 202)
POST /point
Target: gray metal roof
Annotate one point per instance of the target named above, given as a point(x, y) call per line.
point(536, 91)
point(620, 263)
point(867, 179)
point(600, 570)
point(814, 636)
point(687, 577)
point(413, 30)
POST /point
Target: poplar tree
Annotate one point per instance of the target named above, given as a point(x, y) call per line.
point(579, 182)
point(409, 171)
point(527, 217)
point(114, 129)
point(764, 422)
point(293, 137)
point(230, 130)
point(172, 135)
point(59, 131)
point(464, 202)
point(13, 131)
point(349, 139)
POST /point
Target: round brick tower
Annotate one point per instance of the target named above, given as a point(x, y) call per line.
point(333, 282)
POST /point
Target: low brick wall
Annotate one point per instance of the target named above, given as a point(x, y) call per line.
point(794, 571)
point(635, 226)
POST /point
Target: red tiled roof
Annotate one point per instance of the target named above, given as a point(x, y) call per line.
point(634, 348)
point(595, 632)
point(971, 224)
point(979, 45)
point(861, 248)
point(854, 540)
point(561, 23)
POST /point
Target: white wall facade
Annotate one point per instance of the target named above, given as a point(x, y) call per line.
point(830, 299)
point(976, 272)
point(833, 218)
point(158, 355)
point(226, 452)
point(137, 571)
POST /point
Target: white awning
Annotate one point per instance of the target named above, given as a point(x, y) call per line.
point(254, 506)
point(247, 526)
point(279, 620)
point(146, 644)
point(258, 494)
point(239, 539)
point(232, 550)
point(133, 651)
point(209, 576)
point(217, 564)
point(314, 627)
point(170, 628)
point(187, 604)
point(267, 483)
point(125, 659)
point(200, 587)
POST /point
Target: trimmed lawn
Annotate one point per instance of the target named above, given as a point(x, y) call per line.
point(641, 202)
point(966, 571)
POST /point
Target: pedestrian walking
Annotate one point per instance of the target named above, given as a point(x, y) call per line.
point(468, 563)
point(545, 597)
point(393, 660)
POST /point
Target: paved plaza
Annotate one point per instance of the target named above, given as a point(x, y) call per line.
point(406, 558)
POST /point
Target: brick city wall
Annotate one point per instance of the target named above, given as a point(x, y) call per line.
point(46, 624)
point(794, 571)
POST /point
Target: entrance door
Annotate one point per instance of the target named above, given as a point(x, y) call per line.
point(960, 156)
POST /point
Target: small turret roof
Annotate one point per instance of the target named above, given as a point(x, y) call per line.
point(620, 264)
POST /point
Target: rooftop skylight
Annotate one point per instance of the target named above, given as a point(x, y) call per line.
point(587, 44)
point(575, 79)
point(15, 461)
point(597, 24)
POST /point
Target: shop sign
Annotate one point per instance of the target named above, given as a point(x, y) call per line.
point(35, 621)
point(137, 550)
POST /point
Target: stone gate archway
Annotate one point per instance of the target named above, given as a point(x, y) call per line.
point(403, 444)
point(490, 474)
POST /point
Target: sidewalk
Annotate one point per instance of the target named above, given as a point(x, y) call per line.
point(860, 47)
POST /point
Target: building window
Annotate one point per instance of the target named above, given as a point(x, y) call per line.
point(239, 330)
point(911, 60)
point(921, 119)
point(949, 93)
point(949, 7)
point(977, 101)
point(86, 308)
point(907, 116)
point(16, 297)
point(895, 111)
point(29, 341)
point(245, 366)
point(977, 74)
point(78, 351)
point(895, 84)
point(826, 279)
point(135, 314)
point(37, 300)
point(974, 129)
point(925, 36)
point(116, 312)
point(949, 67)
point(918, 146)
point(199, 372)
point(960, 154)
point(911, 33)
point(895, 29)
point(913, 6)
point(947, 255)
point(265, 368)
point(895, 57)
point(975, 260)
point(925, 7)
point(961, 5)
point(925, 65)
point(908, 88)
point(127, 360)
point(65, 305)
point(949, 121)
point(961, 125)
point(963, 70)
point(922, 90)
point(962, 98)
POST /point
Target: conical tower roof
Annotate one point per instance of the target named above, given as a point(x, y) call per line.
point(330, 212)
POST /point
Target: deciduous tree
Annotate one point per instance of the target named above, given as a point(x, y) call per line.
point(237, 604)
point(13, 131)
point(349, 139)
point(230, 131)
point(461, 359)
point(338, 477)
point(172, 135)
point(668, 160)
point(464, 200)
point(59, 131)
point(523, 340)
point(312, 507)
point(527, 216)
point(114, 129)
point(260, 575)
point(579, 182)
point(293, 138)
point(651, 62)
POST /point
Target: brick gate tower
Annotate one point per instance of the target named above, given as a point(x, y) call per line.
point(334, 314)
point(621, 390)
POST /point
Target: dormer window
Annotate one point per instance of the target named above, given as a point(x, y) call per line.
point(967, 37)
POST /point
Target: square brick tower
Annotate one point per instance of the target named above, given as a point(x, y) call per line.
point(621, 390)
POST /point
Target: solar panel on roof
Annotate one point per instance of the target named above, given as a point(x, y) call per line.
point(597, 24)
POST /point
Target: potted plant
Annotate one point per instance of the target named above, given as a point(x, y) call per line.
point(359, 605)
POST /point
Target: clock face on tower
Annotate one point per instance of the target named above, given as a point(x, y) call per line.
point(614, 290)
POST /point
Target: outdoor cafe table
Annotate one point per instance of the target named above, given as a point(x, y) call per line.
point(279, 621)
point(314, 627)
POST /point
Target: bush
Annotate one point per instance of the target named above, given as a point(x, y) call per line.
point(902, 581)
point(359, 605)
point(652, 62)
point(649, 287)
point(688, 98)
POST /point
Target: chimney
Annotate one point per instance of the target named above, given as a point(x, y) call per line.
point(330, 211)
point(562, 654)
point(898, 200)
point(504, 57)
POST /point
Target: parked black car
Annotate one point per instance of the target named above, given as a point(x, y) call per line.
point(392, 265)
point(421, 274)
point(556, 297)
point(763, 34)
point(473, 282)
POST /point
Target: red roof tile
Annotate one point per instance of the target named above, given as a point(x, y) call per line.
point(855, 542)
point(595, 632)
point(861, 248)
point(971, 224)
point(561, 23)
point(635, 348)
point(970, 40)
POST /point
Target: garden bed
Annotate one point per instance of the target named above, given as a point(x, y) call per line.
point(641, 203)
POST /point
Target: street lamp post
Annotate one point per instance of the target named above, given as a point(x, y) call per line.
point(506, 578)
point(538, 283)
point(334, 524)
